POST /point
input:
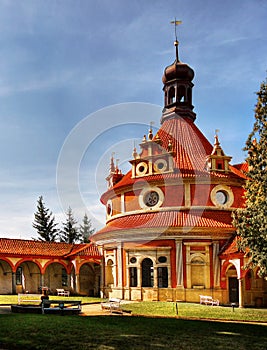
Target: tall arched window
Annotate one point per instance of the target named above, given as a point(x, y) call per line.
point(147, 273)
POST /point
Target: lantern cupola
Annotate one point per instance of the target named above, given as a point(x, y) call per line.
point(177, 79)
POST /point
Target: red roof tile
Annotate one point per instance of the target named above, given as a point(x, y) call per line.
point(168, 219)
point(190, 146)
point(230, 248)
point(191, 149)
point(40, 248)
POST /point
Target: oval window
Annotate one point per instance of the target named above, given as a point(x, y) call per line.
point(162, 259)
point(221, 197)
point(133, 260)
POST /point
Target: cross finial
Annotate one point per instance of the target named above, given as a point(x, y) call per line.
point(176, 23)
point(176, 42)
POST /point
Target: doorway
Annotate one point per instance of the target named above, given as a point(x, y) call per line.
point(233, 290)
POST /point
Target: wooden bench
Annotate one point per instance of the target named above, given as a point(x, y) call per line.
point(63, 292)
point(62, 307)
point(113, 305)
point(29, 298)
point(208, 300)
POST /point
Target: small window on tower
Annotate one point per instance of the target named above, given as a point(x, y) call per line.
point(172, 95)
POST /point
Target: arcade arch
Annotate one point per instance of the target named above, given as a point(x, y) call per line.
point(89, 279)
point(5, 277)
point(56, 276)
point(28, 277)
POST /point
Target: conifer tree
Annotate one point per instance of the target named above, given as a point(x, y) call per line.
point(70, 232)
point(251, 221)
point(44, 223)
point(86, 229)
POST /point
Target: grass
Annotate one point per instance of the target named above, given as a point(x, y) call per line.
point(190, 310)
point(145, 331)
point(28, 332)
point(13, 299)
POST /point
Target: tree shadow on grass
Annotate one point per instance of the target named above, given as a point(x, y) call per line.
point(119, 332)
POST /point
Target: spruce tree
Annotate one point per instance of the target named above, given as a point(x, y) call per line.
point(86, 229)
point(70, 232)
point(251, 221)
point(44, 223)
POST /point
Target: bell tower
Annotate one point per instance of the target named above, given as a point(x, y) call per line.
point(177, 79)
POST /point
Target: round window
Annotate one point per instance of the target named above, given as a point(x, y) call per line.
point(151, 198)
point(221, 197)
point(133, 260)
point(160, 165)
point(162, 259)
point(141, 169)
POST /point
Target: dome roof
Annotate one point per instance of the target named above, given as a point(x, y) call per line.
point(177, 71)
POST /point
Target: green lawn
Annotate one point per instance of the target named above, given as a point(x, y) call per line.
point(24, 331)
point(191, 310)
point(155, 326)
point(13, 299)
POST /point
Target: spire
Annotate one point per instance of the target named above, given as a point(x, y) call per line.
point(176, 42)
point(115, 174)
point(112, 166)
point(217, 149)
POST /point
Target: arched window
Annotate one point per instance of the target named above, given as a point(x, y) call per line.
point(147, 273)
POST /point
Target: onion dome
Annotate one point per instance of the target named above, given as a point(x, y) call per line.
point(179, 71)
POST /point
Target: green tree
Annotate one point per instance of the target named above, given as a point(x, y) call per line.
point(86, 229)
point(251, 221)
point(44, 223)
point(70, 232)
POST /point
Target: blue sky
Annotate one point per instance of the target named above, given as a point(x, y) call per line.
point(64, 60)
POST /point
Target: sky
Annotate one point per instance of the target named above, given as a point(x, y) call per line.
point(81, 79)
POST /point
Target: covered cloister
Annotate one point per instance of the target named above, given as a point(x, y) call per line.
point(30, 266)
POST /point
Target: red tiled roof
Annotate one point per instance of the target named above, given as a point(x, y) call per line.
point(240, 168)
point(190, 146)
point(40, 248)
point(230, 248)
point(191, 149)
point(85, 249)
point(168, 219)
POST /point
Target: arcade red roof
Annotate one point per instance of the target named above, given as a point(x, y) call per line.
point(49, 249)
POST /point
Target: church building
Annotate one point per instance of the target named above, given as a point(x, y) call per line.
point(169, 233)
